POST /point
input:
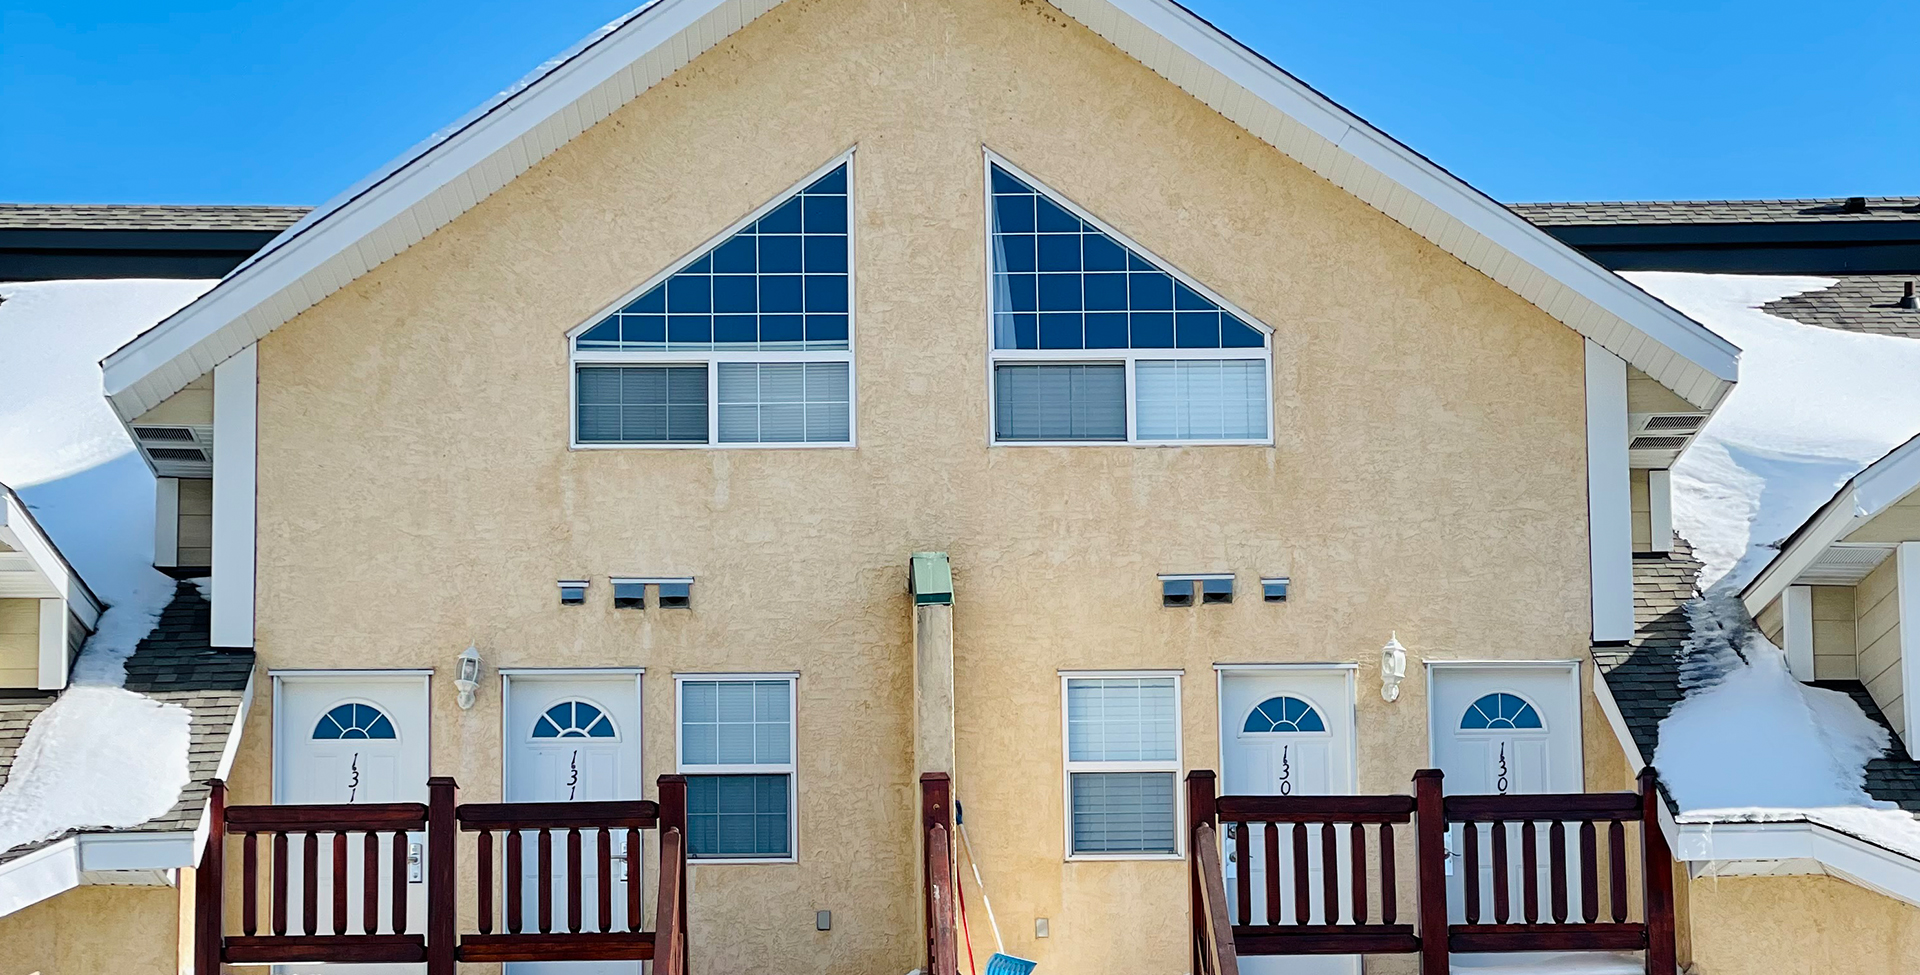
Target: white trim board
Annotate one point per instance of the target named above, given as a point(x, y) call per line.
point(428, 187)
point(1708, 846)
point(1865, 495)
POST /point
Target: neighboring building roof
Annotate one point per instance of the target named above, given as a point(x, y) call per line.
point(1643, 677)
point(1856, 235)
point(452, 171)
point(175, 664)
point(1868, 303)
point(1868, 209)
point(60, 241)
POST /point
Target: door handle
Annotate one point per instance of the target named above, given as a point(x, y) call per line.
point(416, 867)
point(620, 872)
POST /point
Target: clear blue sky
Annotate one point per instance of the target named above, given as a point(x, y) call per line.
point(273, 101)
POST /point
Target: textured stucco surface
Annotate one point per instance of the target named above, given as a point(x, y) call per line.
point(416, 492)
point(70, 934)
point(1800, 926)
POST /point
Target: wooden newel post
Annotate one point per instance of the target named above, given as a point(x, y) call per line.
point(209, 912)
point(1201, 811)
point(1430, 856)
point(673, 815)
point(1656, 878)
point(443, 890)
point(937, 896)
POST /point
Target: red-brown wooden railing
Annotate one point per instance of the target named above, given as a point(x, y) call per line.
point(1255, 830)
point(941, 891)
point(294, 834)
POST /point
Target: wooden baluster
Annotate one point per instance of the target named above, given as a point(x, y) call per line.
point(1589, 873)
point(1470, 870)
point(1302, 884)
point(1501, 898)
point(514, 879)
point(574, 886)
point(370, 882)
point(309, 883)
point(401, 877)
point(250, 885)
point(1529, 873)
point(1389, 887)
point(1272, 860)
point(1357, 836)
point(339, 882)
point(633, 879)
point(1243, 877)
point(545, 892)
point(486, 881)
point(1617, 868)
point(1330, 872)
point(604, 847)
point(1557, 869)
point(279, 898)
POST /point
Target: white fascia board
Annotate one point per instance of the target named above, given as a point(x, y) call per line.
point(1847, 857)
point(107, 852)
point(56, 654)
point(1617, 721)
point(22, 533)
point(1865, 495)
point(235, 415)
point(45, 872)
point(1796, 630)
point(431, 185)
point(224, 767)
point(1609, 497)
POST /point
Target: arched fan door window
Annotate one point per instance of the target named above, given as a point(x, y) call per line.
point(353, 721)
point(1501, 712)
point(574, 719)
point(1283, 714)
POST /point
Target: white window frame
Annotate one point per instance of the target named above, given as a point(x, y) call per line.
point(1176, 767)
point(1093, 357)
point(791, 769)
point(712, 358)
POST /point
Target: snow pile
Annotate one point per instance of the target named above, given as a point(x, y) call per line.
point(100, 755)
point(1751, 744)
point(1814, 407)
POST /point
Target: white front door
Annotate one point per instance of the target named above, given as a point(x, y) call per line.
point(1287, 732)
point(573, 737)
point(1506, 730)
point(352, 739)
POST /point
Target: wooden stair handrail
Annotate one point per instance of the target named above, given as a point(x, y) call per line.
point(940, 888)
point(1216, 940)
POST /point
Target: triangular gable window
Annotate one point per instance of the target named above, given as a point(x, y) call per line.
point(1081, 316)
point(746, 342)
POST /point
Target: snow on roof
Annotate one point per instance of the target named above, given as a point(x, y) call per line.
point(100, 755)
point(438, 180)
point(1814, 407)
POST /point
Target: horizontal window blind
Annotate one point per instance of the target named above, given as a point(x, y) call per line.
point(1200, 399)
point(642, 404)
point(738, 815)
point(1122, 719)
point(1060, 402)
point(735, 723)
point(785, 402)
point(1123, 812)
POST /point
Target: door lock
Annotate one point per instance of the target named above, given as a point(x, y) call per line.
point(416, 867)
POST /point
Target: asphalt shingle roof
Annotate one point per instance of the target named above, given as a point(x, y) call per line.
point(114, 216)
point(1644, 675)
point(174, 664)
point(1644, 212)
point(1858, 303)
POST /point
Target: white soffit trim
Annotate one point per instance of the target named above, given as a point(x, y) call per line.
point(448, 174)
point(1846, 857)
point(1868, 493)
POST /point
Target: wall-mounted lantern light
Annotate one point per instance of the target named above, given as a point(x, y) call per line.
point(1393, 668)
point(467, 676)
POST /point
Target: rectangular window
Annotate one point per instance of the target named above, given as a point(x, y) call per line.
point(1201, 399)
point(785, 402)
point(737, 752)
point(1060, 402)
point(643, 404)
point(1123, 764)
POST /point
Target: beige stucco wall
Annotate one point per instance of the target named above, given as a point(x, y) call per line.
point(416, 492)
point(19, 643)
point(94, 930)
point(1810, 925)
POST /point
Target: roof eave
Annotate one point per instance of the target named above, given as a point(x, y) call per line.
point(1866, 494)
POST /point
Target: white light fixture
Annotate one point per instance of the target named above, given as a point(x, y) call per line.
point(467, 676)
point(1393, 668)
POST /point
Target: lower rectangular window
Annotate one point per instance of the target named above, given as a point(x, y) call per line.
point(642, 404)
point(725, 401)
point(1200, 399)
point(1060, 402)
point(785, 402)
point(738, 815)
point(1122, 812)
